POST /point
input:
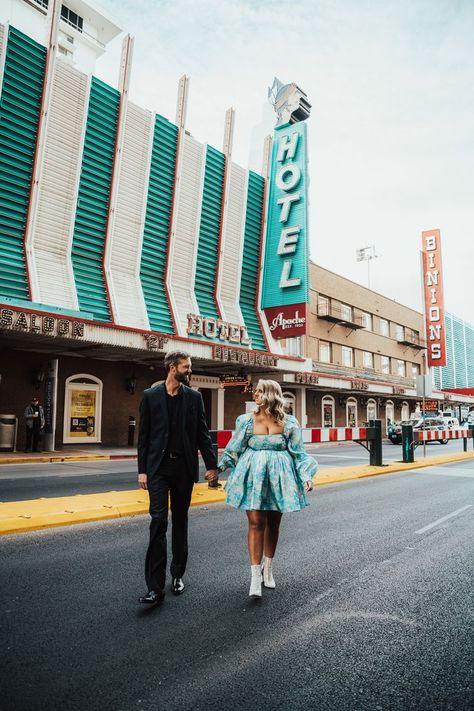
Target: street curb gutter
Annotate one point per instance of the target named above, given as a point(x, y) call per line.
point(22, 516)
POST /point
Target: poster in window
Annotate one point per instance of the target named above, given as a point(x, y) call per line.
point(82, 413)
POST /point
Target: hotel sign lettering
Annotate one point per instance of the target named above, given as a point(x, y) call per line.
point(434, 301)
point(285, 291)
point(28, 322)
point(216, 328)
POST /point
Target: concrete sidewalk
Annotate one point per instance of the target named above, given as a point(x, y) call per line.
point(76, 454)
point(21, 516)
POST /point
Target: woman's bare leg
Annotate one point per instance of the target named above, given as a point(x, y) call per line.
point(272, 530)
point(256, 533)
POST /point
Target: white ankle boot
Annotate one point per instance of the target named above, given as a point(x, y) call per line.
point(268, 579)
point(256, 581)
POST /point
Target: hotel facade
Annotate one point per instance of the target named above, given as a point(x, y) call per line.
point(123, 237)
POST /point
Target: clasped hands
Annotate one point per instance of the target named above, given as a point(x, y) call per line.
point(211, 476)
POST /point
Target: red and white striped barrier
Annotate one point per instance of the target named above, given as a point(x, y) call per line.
point(436, 435)
point(312, 435)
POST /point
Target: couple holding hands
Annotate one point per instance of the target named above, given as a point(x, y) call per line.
point(270, 472)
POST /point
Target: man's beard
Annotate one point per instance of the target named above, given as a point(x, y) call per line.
point(182, 377)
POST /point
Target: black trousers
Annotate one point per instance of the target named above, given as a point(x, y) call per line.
point(171, 480)
point(33, 438)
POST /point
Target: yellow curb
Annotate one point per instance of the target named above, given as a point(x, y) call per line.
point(21, 516)
point(56, 458)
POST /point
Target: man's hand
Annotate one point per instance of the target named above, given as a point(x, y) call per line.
point(143, 481)
point(211, 476)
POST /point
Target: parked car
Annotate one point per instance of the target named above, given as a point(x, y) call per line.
point(422, 423)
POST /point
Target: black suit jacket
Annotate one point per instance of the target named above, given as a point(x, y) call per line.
point(153, 432)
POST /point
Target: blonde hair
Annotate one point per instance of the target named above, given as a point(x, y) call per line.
point(272, 400)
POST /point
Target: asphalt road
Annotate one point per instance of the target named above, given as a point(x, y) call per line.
point(373, 609)
point(19, 482)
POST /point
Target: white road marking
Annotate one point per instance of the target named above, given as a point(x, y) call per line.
point(339, 456)
point(444, 518)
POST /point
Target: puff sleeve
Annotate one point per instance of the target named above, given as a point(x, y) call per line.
point(237, 445)
point(305, 465)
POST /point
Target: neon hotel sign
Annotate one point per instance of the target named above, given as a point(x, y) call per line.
point(434, 301)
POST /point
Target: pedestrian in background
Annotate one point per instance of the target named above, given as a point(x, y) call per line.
point(172, 429)
point(34, 419)
point(270, 475)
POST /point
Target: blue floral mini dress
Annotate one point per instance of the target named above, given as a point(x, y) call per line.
point(268, 472)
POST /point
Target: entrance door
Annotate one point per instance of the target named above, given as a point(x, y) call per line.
point(207, 399)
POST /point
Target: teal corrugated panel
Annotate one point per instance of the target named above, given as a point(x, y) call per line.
point(157, 225)
point(211, 215)
point(250, 262)
point(93, 199)
point(19, 114)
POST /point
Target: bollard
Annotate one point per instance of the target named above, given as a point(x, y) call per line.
point(471, 428)
point(375, 445)
point(213, 434)
point(407, 444)
point(132, 423)
point(464, 444)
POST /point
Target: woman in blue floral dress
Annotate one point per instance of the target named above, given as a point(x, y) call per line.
point(270, 475)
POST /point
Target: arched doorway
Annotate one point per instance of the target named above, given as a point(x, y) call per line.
point(405, 411)
point(290, 402)
point(82, 409)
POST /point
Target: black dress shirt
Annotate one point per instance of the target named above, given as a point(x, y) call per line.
point(174, 405)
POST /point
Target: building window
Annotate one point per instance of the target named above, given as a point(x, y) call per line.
point(368, 359)
point(323, 305)
point(367, 321)
point(346, 312)
point(294, 346)
point(405, 411)
point(41, 3)
point(385, 364)
point(324, 352)
point(72, 18)
point(328, 411)
point(351, 412)
point(400, 332)
point(64, 51)
point(347, 356)
point(401, 368)
point(415, 370)
point(371, 410)
point(384, 327)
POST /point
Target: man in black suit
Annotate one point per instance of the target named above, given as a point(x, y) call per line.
point(172, 429)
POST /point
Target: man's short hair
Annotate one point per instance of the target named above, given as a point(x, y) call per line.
point(174, 358)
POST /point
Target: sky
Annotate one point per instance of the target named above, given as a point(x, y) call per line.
point(391, 131)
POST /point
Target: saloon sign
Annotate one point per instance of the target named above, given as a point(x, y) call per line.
point(285, 292)
point(434, 301)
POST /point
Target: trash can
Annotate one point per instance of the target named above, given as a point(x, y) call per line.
point(8, 432)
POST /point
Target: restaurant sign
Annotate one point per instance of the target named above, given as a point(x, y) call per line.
point(432, 272)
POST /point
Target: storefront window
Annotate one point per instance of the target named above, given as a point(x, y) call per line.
point(290, 402)
point(82, 409)
point(328, 411)
point(351, 413)
point(371, 410)
point(389, 414)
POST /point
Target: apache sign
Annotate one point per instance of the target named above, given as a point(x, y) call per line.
point(285, 292)
point(433, 297)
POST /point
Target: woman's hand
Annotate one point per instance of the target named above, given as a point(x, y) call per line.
point(308, 485)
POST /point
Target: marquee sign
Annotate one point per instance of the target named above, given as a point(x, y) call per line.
point(28, 322)
point(216, 328)
point(285, 288)
point(433, 297)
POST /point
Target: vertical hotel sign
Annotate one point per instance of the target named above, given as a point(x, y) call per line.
point(433, 297)
point(285, 289)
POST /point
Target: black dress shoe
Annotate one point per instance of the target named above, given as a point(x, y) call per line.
point(153, 597)
point(177, 586)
